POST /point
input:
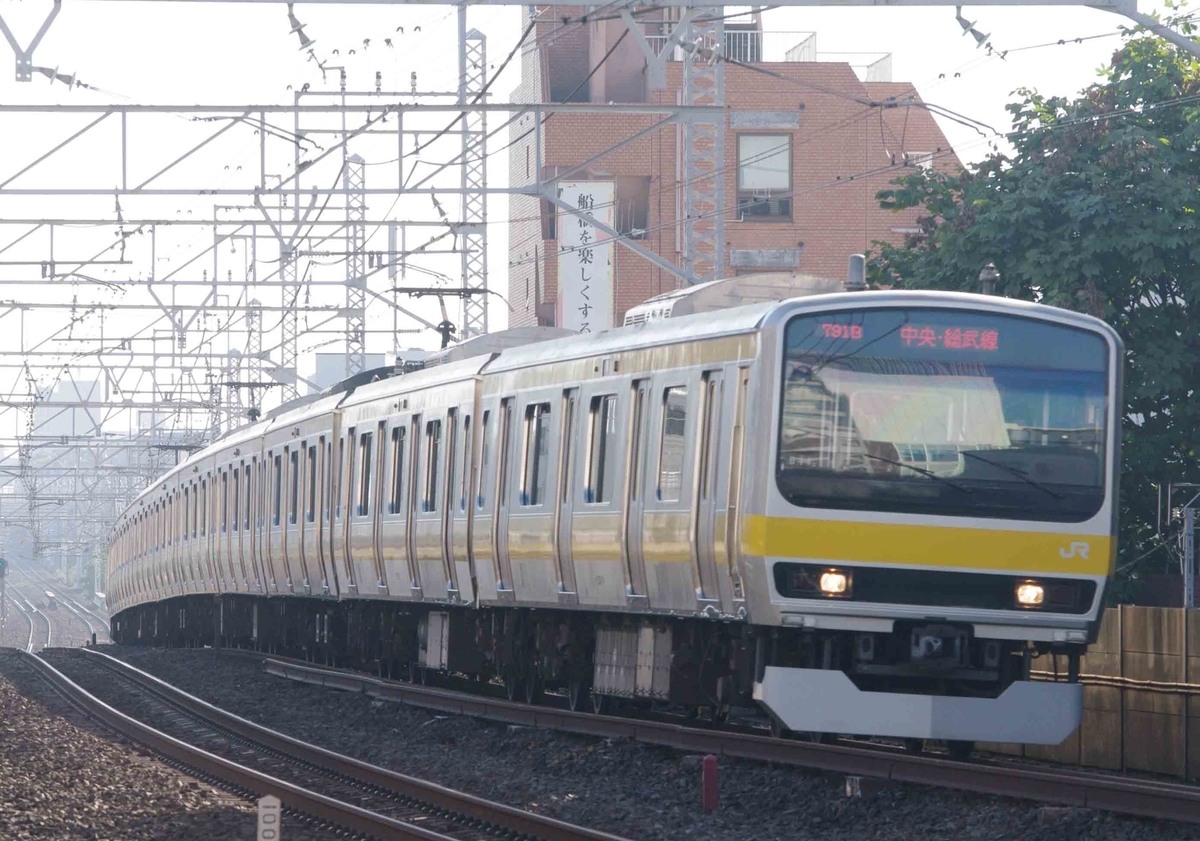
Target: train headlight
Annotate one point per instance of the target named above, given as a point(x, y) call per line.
point(835, 583)
point(1030, 594)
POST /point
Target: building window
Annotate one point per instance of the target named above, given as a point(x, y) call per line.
point(764, 177)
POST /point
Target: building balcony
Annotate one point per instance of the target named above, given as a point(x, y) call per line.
point(753, 46)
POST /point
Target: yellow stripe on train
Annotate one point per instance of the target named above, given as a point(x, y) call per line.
point(928, 546)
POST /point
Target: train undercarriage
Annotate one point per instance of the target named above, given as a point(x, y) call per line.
point(597, 659)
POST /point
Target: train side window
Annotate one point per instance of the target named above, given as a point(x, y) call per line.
point(337, 478)
point(671, 453)
point(537, 455)
point(602, 455)
point(253, 506)
point(505, 447)
point(451, 447)
point(399, 442)
point(433, 447)
point(237, 497)
point(485, 458)
point(567, 448)
point(364, 473)
point(277, 488)
point(326, 457)
point(310, 513)
point(464, 479)
point(248, 497)
point(712, 399)
point(294, 481)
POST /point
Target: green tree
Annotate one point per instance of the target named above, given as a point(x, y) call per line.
point(1093, 209)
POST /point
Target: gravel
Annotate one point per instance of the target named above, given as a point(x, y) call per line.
point(623, 787)
point(65, 783)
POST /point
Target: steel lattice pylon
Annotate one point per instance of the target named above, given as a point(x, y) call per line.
point(290, 324)
point(355, 182)
point(254, 360)
point(474, 181)
point(704, 148)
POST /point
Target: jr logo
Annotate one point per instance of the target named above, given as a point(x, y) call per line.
point(1077, 549)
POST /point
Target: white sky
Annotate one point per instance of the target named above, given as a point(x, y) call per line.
point(234, 53)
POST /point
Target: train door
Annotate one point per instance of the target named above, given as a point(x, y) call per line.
point(273, 521)
point(205, 556)
point(351, 499)
point(427, 523)
point(306, 521)
point(223, 562)
point(376, 503)
point(504, 580)
point(449, 502)
point(258, 533)
point(329, 483)
point(733, 508)
point(339, 495)
point(241, 577)
point(564, 513)
point(411, 493)
point(706, 529)
point(459, 509)
point(635, 487)
point(392, 541)
point(293, 549)
point(318, 515)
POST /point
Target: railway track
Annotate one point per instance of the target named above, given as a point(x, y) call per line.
point(1049, 784)
point(17, 608)
point(334, 790)
point(37, 621)
point(96, 624)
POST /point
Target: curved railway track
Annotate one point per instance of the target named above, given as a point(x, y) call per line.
point(330, 788)
point(96, 624)
point(18, 608)
point(37, 618)
point(75, 623)
point(1045, 783)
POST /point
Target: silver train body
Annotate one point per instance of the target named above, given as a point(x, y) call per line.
point(865, 512)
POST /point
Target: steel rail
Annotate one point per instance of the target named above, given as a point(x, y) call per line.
point(28, 618)
point(72, 605)
point(509, 818)
point(345, 815)
point(1147, 798)
point(33, 611)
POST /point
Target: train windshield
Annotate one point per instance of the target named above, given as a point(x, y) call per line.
point(943, 412)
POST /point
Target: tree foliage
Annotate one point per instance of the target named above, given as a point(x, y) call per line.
point(1094, 209)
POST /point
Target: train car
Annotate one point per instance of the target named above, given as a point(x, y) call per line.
point(865, 512)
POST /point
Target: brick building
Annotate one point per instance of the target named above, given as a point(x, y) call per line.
point(807, 146)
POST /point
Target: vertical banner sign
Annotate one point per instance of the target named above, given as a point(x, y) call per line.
point(268, 818)
point(585, 257)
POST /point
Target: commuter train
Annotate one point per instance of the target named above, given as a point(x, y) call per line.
point(866, 512)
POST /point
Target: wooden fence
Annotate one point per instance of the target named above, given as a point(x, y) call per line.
point(1141, 698)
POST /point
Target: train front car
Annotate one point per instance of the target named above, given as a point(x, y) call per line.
point(938, 510)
